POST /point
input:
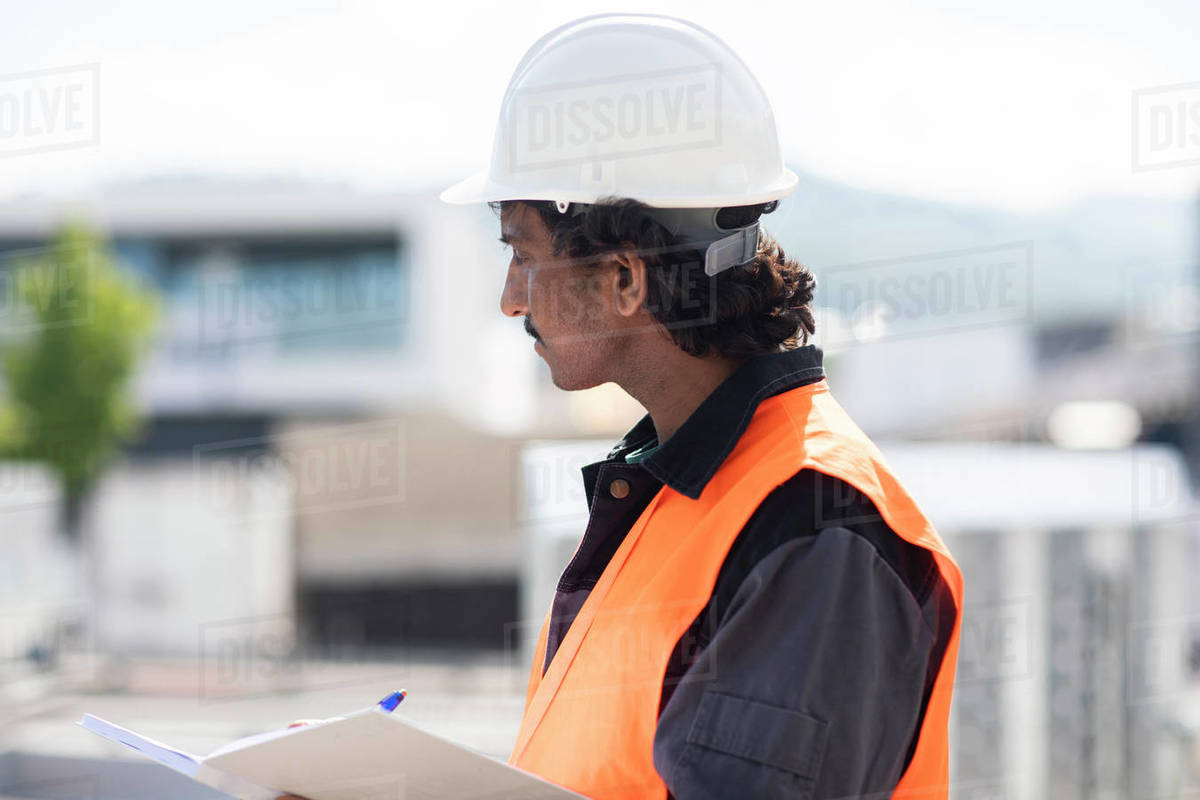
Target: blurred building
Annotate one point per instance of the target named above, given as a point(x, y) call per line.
point(348, 347)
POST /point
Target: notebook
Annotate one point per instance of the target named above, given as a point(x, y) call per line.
point(368, 755)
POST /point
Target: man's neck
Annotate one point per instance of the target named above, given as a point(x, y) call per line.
point(672, 385)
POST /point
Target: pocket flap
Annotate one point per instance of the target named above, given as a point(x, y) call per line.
point(761, 732)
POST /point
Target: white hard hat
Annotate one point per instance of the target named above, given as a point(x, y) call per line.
point(632, 105)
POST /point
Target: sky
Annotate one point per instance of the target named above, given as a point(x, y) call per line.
point(1020, 105)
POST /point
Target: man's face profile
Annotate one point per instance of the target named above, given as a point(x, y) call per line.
point(566, 304)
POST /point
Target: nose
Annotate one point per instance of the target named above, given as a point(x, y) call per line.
point(514, 299)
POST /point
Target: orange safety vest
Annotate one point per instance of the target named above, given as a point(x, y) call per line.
point(589, 722)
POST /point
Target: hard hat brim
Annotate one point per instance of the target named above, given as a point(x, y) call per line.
point(474, 189)
point(479, 188)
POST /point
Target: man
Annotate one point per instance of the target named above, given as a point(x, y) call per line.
point(756, 608)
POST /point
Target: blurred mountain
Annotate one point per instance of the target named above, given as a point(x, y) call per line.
point(1089, 258)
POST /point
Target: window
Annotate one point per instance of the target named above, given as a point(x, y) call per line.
point(292, 298)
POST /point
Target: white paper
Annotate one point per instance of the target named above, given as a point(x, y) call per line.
point(368, 755)
point(177, 760)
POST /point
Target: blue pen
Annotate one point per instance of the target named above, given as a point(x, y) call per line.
point(390, 702)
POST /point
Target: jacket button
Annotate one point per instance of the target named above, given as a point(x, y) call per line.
point(619, 488)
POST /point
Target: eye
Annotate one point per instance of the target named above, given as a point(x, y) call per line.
point(516, 256)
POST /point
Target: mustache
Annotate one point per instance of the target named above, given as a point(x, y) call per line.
point(532, 331)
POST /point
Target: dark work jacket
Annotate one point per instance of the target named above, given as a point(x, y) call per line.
point(818, 608)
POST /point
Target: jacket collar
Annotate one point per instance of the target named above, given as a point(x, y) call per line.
point(689, 459)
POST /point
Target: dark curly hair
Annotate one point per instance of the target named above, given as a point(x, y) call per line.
point(741, 312)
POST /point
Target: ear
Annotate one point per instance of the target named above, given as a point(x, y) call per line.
point(628, 282)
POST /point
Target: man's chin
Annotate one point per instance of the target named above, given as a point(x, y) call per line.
point(569, 381)
point(568, 385)
point(578, 386)
point(565, 379)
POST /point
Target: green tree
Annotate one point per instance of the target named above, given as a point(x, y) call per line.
point(74, 337)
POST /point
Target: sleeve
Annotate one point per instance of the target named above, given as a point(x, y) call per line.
point(812, 683)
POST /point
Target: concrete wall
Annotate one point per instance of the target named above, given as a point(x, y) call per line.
point(412, 497)
point(183, 548)
point(42, 598)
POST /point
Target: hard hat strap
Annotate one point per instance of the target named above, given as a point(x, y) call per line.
point(733, 250)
